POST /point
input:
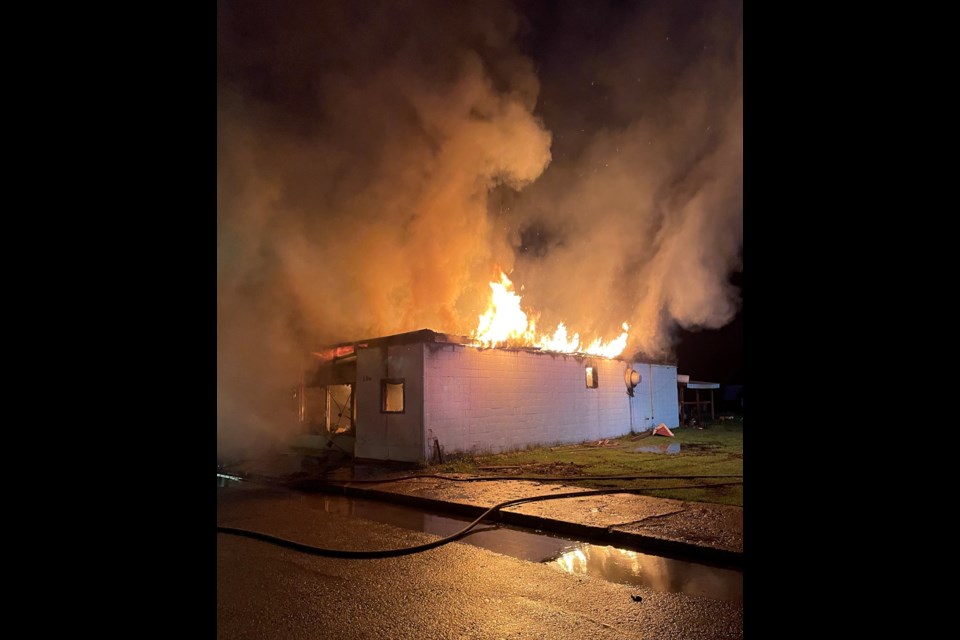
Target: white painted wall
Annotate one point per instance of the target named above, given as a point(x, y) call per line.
point(640, 402)
point(665, 396)
point(649, 410)
point(390, 436)
point(496, 400)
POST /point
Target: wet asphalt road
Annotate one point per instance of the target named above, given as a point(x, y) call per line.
point(455, 591)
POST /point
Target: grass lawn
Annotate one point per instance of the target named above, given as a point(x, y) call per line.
point(714, 450)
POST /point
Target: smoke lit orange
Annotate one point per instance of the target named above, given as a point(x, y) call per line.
point(506, 323)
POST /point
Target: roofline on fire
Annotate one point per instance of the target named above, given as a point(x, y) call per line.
point(429, 336)
point(409, 337)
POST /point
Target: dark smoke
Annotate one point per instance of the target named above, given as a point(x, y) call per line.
point(359, 144)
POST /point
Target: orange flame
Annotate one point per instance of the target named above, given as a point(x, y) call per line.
point(506, 323)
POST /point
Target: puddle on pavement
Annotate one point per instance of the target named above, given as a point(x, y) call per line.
point(570, 556)
point(613, 564)
point(654, 572)
point(671, 447)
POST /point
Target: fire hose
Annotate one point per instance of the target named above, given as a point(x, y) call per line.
point(393, 553)
point(537, 478)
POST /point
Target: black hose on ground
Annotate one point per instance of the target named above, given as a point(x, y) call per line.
point(568, 479)
point(394, 553)
point(536, 478)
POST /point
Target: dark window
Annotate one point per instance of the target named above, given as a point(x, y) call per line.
point(591, 377)
point(391, 395)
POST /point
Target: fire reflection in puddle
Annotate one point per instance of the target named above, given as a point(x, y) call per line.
point(624, 566)
point(613, 564)
point(654, 572)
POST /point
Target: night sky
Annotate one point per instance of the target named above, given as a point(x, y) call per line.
point(714, 355)
point(563, 32)
point(377, 162)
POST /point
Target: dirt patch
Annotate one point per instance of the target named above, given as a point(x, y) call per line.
point(701, 446)
point(537, 468)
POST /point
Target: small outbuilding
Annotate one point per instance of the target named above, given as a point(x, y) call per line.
point(420, 395)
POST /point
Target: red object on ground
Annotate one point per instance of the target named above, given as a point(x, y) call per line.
point(662, 430)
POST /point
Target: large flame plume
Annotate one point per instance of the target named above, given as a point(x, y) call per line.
point(505, 323)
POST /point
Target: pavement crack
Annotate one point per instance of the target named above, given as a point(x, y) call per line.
point(567, 613)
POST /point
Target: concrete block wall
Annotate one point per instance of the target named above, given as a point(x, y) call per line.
point(496, 400)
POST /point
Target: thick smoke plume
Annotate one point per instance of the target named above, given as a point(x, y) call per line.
point(639, 216)
point(377, 161)
point(356, 148)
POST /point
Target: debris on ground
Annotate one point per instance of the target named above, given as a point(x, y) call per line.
point(662, 430)
point(586, 446)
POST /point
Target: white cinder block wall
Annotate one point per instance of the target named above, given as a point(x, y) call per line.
point(496, 400)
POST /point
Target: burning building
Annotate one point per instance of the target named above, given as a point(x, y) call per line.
point(375, 160)
point(419, 395)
